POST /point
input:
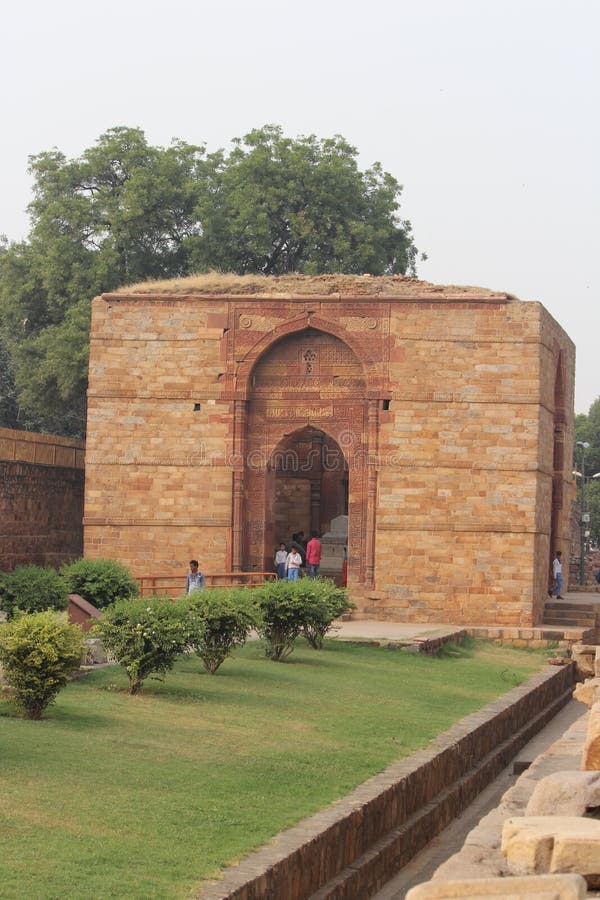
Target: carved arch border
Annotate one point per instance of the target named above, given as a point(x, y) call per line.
point(375, 387)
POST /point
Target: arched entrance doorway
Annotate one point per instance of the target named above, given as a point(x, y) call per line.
point(306, 384)
point(307, 490)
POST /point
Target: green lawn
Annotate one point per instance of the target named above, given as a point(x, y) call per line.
point(118, 796)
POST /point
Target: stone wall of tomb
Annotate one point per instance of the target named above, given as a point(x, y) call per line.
point(454, 415)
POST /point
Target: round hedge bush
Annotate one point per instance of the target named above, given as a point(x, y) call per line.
point(32, 589)
point(99, 581)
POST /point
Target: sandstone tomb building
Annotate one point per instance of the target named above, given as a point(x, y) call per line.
point(433, 423)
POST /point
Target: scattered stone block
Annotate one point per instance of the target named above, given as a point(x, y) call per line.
point(583, 655)
point(532, 887)
point(540, 845)
point(587, 691)
point(597, 663)
point(94, 654)
point(591, 749)
point(568, 793)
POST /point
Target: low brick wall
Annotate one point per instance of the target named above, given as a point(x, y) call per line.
point(41, 501)
point(349, 850)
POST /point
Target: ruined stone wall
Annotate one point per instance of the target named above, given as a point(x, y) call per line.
point(447, 411)
point(41, 499)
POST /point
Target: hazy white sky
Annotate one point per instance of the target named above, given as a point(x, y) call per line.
point(487, 112)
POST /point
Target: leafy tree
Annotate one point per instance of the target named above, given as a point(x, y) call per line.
point(281, 616)
point(218, 621)
point(125, 211)
point(9, 410)
point(325, 602)
point(587, 428)
point(39, 652)
point(143, 636)
point(287, 609)
point(119, 213)
point(301, 205)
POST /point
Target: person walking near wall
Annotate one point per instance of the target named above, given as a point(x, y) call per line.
point(313, 555)
point(558, 578)
point(292, 564)
point(195, 580)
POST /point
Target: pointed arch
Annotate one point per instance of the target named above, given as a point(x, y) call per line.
point(297, 325)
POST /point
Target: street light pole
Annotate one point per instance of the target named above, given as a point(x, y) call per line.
point(584, 446)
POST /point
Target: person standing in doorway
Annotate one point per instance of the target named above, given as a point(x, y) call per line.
point(557, 572)
point(280, 558)
point(292, 564)
point(195, 580)
point(345, 565)
point(313, 555)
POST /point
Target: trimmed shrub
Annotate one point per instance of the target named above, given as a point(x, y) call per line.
point(324, 602)
point(39, 652)
point(32, 589)
point(143, 636)
point(287, 609)
point(218, 621)
point(99, 581)
point(281, 609)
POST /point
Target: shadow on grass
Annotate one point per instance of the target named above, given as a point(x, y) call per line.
point(247, 678)
point(56, 714)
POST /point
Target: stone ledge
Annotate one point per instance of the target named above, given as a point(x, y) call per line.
point(428, 645)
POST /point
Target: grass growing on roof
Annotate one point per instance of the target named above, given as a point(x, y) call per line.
point(144, 796)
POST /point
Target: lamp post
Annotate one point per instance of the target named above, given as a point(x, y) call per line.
point(582, 513)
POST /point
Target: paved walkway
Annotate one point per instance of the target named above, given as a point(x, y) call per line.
point(374, 630)
point(397, 631)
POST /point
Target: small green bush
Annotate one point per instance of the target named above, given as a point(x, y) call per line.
point(32, 589)
point(39, 652)
point(287, 609)
point(324, 602)
point(143, 636)
point(281, 608)
point(218, 621)
point(99, 581)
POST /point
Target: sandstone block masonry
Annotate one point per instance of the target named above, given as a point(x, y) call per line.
point(41, 499)
point(448, 411)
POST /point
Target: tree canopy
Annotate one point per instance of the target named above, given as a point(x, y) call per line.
point(125, 211)
point(587, 428)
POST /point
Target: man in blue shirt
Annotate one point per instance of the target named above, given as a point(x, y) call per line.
point(195, 579)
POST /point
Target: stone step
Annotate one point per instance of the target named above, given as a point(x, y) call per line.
point(572, 613)
point(566, 614)
point(566, 604)
point(569, 621)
